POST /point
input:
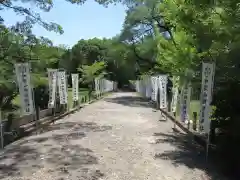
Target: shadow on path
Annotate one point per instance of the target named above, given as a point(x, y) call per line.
point(55, 149)
point(76, 126)
point(187, 153)
point(132, 101)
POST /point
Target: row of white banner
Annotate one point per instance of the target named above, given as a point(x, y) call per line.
point(150, 86)
point(57, 80)
point(103, 85)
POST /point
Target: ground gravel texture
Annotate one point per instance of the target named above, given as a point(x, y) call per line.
point(118, 138)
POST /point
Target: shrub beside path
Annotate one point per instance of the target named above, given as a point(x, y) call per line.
point(118, 138)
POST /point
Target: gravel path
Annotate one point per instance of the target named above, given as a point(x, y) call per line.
point(118, 138)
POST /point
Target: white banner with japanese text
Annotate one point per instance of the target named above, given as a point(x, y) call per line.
point(148, 87)
point(185, 102)
point(62, 87)
point(175, 94)
point(163, 91)
point(96, 83)
point(206, 96)
point(52, 84)
point(154, 84)
point(22, 71)
point(75, 85)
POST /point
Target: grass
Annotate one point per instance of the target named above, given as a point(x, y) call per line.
point(83, 92)
point(194, 107)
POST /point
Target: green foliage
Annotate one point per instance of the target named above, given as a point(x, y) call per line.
point(186, 34)
point(90, 72)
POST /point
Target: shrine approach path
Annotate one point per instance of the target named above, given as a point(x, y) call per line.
point(120, 137)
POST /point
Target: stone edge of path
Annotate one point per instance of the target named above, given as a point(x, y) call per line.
point(71, 111)
point(198, 139)
point(48, 120)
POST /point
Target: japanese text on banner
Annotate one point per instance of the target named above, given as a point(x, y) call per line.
point(52, 83)
point(75, 87)
point(163, 91)
point(175, 94)
point(22, 71)
point(185, 102)
point(62, 86)
point(206, 96)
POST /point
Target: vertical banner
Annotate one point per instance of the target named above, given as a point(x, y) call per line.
point(96, 86)
point(52, 83)
point(62, 86)
point(175, 94)
point(22, 71)
point(185, 102)
point(149, 87)
point(206, 96)
point(100, 86)
point(163, 91)
point(154, 88)
point(75, 87)
point(137, 86)
point(174, 99)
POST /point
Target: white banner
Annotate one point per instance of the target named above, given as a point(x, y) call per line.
point(137, 86)
point(163, 91)
point(206, 96)
point(101, 85)
point(174, 99)
point(154, 88)
point(52, 84)
point(98, 86)
point(62, 87)
point(148, 87)
point(75, 87)
point(22, 71)
point(185, 102)
point(175, 94)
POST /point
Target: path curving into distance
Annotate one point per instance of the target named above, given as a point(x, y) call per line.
point(118, 138)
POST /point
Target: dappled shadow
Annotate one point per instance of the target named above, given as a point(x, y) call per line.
point(132, 101)
point(58, 148)
point(76, 126)
point(188, 153)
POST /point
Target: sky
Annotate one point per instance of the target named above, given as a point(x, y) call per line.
point(78, 21)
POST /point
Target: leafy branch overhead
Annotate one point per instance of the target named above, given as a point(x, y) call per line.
point(22, 8)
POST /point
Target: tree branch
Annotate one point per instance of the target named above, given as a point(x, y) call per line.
point(149, 61)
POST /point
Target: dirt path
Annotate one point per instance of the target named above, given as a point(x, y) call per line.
point(118, 138)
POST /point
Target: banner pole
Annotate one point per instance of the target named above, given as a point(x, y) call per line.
point(207, 146)
point(2, 136)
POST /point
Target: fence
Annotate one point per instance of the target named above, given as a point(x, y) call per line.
point(18, 127)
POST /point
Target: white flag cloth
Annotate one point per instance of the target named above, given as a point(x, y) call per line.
point(185, 102)
point(52, 83)
point(75, 87)
point(154, 83)
point(62, 87)
point(22, 71)
point(148, 87)
point(163, 91)
point(175, 94)
point(206, 96)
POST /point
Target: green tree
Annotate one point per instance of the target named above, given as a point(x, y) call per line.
point(90, 72)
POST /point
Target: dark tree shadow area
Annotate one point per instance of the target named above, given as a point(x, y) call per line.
point(187, 152)
point(54, 149)
point(131, 101)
